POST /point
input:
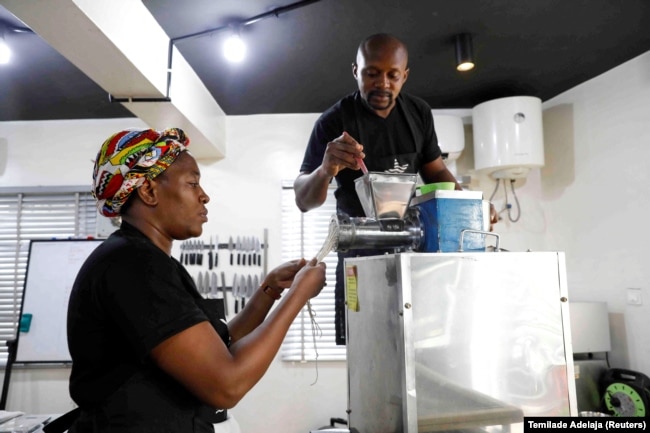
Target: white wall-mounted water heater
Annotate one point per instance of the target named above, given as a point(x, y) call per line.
point(508, 137)
point(451, 138)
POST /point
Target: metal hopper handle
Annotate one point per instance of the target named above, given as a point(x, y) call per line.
point(462, 234)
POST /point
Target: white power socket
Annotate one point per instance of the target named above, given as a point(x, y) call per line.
point(634, 297)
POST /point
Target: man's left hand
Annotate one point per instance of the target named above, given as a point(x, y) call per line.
point(494, 216)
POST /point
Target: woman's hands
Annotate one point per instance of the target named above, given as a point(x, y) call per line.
point(298, 274)
point(310, 278)
point(282, 276)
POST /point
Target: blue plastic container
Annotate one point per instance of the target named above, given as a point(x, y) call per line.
point(445, 214)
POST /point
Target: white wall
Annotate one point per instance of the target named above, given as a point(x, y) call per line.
point(54, 152)
point(598, 212)
point(589, 201)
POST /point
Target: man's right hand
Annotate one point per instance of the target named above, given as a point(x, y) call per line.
point(342, 152)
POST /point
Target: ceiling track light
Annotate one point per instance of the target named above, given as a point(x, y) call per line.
point(6, 28)
point(234, 48)
point(464, 52)
point(5, 51)
point(237, 25)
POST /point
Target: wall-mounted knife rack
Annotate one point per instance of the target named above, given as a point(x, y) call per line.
point(237, 273)
point(244, 251)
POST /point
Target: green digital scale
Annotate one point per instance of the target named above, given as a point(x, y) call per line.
point(625, 392)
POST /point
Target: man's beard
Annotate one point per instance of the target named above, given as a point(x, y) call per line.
point(375, 104)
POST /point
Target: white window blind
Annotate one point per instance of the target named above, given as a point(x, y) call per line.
point(34, 213)
point(303, 234)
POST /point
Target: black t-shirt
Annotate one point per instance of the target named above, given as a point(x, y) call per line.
point(128, 297)
point(400, 143)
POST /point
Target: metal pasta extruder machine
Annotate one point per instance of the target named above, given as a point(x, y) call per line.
point(394, 220)
point(443, 335)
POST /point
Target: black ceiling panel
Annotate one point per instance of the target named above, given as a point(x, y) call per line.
point(300, 61)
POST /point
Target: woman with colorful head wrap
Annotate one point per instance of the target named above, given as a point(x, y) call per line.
point(130, 157)
point(149, 354)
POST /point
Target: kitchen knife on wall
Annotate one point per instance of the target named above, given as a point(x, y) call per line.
point(231, 247)
point(215, 293)
point(182, 249)
point(243, 287)
point(250, 289)
point(258, 257)
point(206, 285)
point(224, 289)
point(258, 247)
point(244, 256)
point(235, 292)
point(210, 255)
point(199, 283)
point(242, 248)
point(215, 247)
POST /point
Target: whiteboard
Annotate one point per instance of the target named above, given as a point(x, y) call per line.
point(52, 267)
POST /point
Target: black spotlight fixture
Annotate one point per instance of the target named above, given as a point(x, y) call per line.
point(464, 52)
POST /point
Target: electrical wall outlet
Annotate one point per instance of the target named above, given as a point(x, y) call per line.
point(634, 297)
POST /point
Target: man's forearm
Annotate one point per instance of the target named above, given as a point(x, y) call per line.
point(311, 189)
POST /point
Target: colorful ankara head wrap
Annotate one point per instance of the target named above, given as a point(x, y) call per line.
point(130, 157)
